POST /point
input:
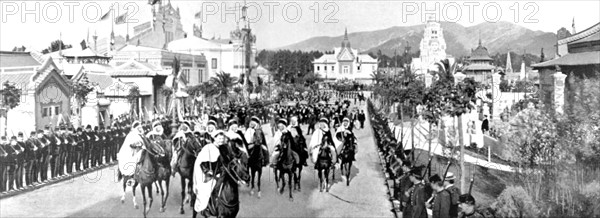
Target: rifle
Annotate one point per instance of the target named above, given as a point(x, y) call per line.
point(471, 185)
point(446, 172)
point(428, 169)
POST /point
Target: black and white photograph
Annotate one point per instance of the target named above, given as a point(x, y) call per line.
point(307, 108)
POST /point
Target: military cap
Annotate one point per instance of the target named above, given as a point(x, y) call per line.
point(20, 134)
point(96, 128)
point(88, 127)
point(417, 172)
point(466, 198)
point(3, 138)
point(406, 163)
point(255, 119)
point(47, 127)
point(32, 133)
point(13, 138)
point(40, 131)
point(435, 178)
point(63, 127)
point(71, 129)
point(79, 129)
point(450, 176)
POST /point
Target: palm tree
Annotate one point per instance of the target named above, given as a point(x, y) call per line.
point(378, 76)
point(223, 83)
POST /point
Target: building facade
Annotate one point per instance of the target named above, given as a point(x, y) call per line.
point(479, 66)
point(432, 47)
point(45, 95)
point(345, 64)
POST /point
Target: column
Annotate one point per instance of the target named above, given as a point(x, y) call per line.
point(496, 110)
point(558, 92)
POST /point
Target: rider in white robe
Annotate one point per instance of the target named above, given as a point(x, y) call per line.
point(204, 182)
point(281, 129)
point(129, 154)
point(316, 141)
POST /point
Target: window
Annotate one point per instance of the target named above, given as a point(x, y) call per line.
point(200, 76)
point(318, 68)
point(186, 74)
point(434, 31)
point(325, 68)
point(45, 112)
point(56, 110)
point(332, 68)
point(346, 70)
point(358, 67)
point(214, 63)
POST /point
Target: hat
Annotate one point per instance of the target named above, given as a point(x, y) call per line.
point(96, 128)
point(71, 129)
point(324, 120)
point(255, 119)
point(406, 163)
point(156, 123)
point(40, 131)
point(56, 128)
point(450, 176)
point(3, 138)
point(435, 178)
point(90, 126)
point(47, 127)
point(216, 133)
point(466, 198)
point(133, 125)
point(417, 172)
point(282, 121)
point(32, 133)
point(63, 127)
point(20, 134)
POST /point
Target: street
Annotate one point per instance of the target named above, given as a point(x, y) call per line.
point(98, 194)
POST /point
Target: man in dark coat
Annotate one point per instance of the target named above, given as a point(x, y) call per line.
point(361, 118)
point(416, 194)
point(441, 200)
point(485, 125)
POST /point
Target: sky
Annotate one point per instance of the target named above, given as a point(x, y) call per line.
point(34, 24)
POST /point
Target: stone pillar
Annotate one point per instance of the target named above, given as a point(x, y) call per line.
point(496, 110)
point(459, 77)
point(558, 92)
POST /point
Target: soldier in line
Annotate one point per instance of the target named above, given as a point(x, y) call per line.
point(60, 151)
point(31, 149)
point(441, 198)
point(78, 150)
point(416, 207)
point(3, 164)
point(454, 193)
point(44, 154)
point(19, 146)
point(13, 155)
point(404, 184)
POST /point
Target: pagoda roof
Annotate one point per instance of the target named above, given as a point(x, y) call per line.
point(480, 53)
point(88, 52)
point(473, 67)
point(17, 59)
point(572, 59)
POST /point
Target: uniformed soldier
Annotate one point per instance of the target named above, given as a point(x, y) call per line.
point(95, 157)
point(70, 151)
point(441, 199)
point(19, 146)
point(44, 154)
point(62, 150)
point(416, 207)
point(404, 184)
point(79, 149)
point(13, 155)
point(31, 147)
point(3, 163)
point(87, 148)
point(55, 153)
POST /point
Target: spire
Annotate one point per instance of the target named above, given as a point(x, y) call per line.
point(573, 26)
point(480, 38)
point(542, 56)
point(346, 34)
point(508, 63)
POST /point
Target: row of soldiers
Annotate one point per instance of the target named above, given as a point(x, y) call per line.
point(417, 193)
point(51, 154)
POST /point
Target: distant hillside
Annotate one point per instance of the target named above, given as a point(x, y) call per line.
point(497, 37)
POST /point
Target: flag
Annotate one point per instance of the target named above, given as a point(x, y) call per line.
point(83, 44)
point(198, 15)
point(105, 16)
point(121, 19)
point(153, 2)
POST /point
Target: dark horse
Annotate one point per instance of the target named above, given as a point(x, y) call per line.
point(347, 155)
point(187, 149)
point(287, 163)
point(231, 171)
point(255, 163)
point(164, 172)
point(299, 146)
point(146, 173)
point(324, 163)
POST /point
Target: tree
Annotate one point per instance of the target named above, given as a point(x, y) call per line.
point(11, 98)
point(223, 83)
point(19, 49)
point(132, 97)
point(81, 89)
point(55, 46)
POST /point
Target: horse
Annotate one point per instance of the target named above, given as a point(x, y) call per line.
point(347, 156)
point(187, 150)
point(255, 163)
point(164, 172)
point(323, 165)
point(146, 173)
point(231, 171)
point(299, 146)
point(287, 163)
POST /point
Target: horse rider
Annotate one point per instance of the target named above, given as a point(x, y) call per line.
point(281, 129)
point(344, 135)
point(205, 169)
point(255, 137)
point(299, 139)
point(235, 136)
point(157, 133)
point(129, 154)
point(183, 133)
point(316, 141)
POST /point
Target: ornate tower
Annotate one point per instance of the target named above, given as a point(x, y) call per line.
point(508, 63)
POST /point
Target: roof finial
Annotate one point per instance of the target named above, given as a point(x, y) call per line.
point(479, 38)
point(346, 34)
point(573, 26)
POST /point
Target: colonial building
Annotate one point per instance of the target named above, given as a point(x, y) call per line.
point(573, 70)
point(45, 94)
point(222, 55)
point(345, 63)
point(432, 47)
point(479, 65)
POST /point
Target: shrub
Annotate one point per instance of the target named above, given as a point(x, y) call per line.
point(590, 205)
point(515, 202)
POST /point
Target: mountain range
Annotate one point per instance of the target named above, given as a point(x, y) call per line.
point(499, 37)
